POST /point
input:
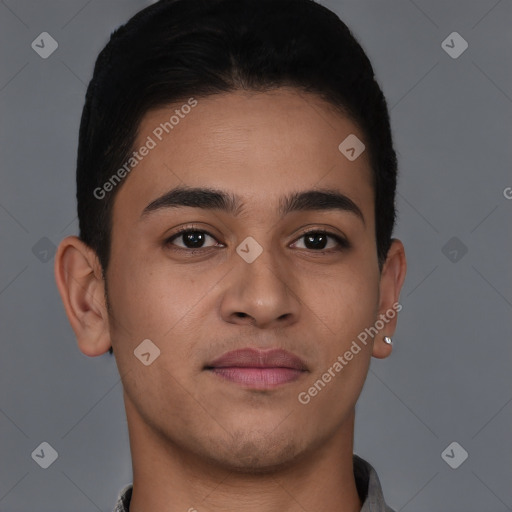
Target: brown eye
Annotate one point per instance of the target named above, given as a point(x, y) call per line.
point(319, 240)
point(190, 239)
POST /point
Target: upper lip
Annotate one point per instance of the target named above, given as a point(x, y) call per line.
point(255, 358)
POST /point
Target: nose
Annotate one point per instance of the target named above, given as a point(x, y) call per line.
point(260, 293)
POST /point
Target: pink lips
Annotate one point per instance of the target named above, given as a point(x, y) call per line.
point(258, 369)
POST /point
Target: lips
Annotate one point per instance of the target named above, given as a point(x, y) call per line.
point(258, 369)
point(253, 358)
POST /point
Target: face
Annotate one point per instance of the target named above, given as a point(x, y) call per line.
point(265, 274)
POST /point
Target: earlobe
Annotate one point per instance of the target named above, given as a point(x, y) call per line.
point(391, 281)
point(81, 287)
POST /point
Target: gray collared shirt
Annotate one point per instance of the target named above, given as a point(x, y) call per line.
point(367, 483)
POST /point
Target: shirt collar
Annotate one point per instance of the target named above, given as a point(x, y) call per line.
point(368, 487)
point(367, 483)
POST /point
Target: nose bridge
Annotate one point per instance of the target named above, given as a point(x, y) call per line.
point(261, 267)
point(260, 286)
point(264, 269)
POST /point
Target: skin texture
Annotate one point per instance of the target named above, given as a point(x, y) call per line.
point(196, 439)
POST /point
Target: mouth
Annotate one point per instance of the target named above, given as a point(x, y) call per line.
point(258, 369)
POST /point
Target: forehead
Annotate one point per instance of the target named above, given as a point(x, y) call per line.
point(260, 146)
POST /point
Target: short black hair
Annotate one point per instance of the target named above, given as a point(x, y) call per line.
point(177, 49)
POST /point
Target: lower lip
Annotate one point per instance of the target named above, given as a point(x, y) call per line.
point(259, 378)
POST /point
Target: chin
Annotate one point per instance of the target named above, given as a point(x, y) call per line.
point(255, 451)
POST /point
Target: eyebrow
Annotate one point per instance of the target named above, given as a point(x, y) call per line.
point(213, 199)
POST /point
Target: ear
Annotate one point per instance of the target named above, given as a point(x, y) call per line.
point(81, 287)
point(391, 280)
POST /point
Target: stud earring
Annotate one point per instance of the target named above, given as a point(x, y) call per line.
point(388, 340)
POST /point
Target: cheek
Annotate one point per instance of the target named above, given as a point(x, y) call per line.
point(157, 300)
point(345, 305)
point(143, 303)
point(344, 301)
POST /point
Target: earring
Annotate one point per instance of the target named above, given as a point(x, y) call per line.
point(388, 340)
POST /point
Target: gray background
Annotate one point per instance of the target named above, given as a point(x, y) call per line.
point(448, 378)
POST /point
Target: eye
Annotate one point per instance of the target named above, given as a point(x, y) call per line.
point(193, 239)
point(190, 239)
point(318, 240)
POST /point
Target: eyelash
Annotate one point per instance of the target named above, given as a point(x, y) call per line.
point(343, 243)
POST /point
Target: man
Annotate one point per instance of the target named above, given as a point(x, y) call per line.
point(235, 183)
